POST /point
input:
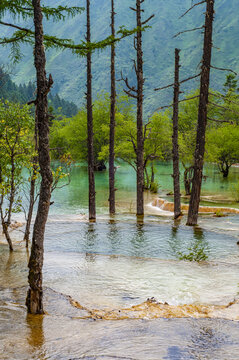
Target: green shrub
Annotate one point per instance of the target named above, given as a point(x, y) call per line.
point(154, 186)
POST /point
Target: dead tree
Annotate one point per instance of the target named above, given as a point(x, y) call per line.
point(34, 299)
point(140, 135)
point(202, 116)
point(176, 173)
point(90, 132)
point(112, 119)
point(137, 93)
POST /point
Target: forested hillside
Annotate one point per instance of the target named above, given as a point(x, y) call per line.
point(27, 92)
point(69, 70)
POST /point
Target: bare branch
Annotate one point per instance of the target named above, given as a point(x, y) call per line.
point(223, 107)
point(193, 6)
point(168, 106)
point(222, 69)
point(185, 31)
point(130, 94)
point(222, 121)
point(181, 82)
point(224, 97)
point(146, 21)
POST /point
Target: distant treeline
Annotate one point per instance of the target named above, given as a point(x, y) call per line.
point(24, 93)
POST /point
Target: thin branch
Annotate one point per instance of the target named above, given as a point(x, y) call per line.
point(181, 82)
point(223, 107)
point(185, 31)
point(225, 98)
point(222, 121)
point(168, 106)
point(193, 6)
point(222, 69)
point(146, 21)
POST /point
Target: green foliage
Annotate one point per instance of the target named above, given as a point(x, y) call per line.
point(16, 151)
point(223, 145)
point(154, 187)
point(219, 213)
point(24, 93)
point(71, 134)
point(157, 41)
point(196, 253)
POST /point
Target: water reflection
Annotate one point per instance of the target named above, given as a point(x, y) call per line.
point(196, 250)
point(139, 240)
point(113, 236)
point(36, 337)
point(91, 237)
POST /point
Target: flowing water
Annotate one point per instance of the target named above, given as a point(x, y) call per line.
point(96, 275)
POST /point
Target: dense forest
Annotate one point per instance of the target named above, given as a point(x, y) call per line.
point(24, 93)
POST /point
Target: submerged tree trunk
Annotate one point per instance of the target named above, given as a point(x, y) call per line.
point(140, 136)
point(188, 173)
point(202, 116)
point(176, 174)
point(35, 293)
point(112, 119)
point(91, 175)
point(224, 168)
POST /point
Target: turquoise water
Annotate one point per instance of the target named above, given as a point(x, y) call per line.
point(74, 197)
point(117, 263)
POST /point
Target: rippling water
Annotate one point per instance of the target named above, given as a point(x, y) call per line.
point(113, 265)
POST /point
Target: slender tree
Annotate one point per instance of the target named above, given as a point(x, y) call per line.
point(112, 119)
point(140, 135)
point(176, 174)
point(90, 139)
point(32, 184)
point(34, 296)
point(202, 115)
point(137, 93)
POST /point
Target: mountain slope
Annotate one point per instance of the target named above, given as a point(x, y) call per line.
point(69, 71)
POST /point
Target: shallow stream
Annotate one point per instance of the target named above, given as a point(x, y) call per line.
point(94, 273)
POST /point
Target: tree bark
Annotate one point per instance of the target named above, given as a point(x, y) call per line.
point(91, 175)
point(4, 223)
point(112, 119)
point(32, 188)
point(176, 174)
point(188, 180)
point(140, 136)
point(202, 116)
point(12, 189)
point(35, 293)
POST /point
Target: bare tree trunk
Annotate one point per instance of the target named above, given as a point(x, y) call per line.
point(4, 223)
point(146, 182)
point(32, 188)
point(176, 174)
point(152, 174)
point(12, 189)
point(140, 136)
point(35, 293)
point(202, 116)
point(5, 228)
point(188, 172)
point(112, 119)
point(91, 175)
point(30, 210)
